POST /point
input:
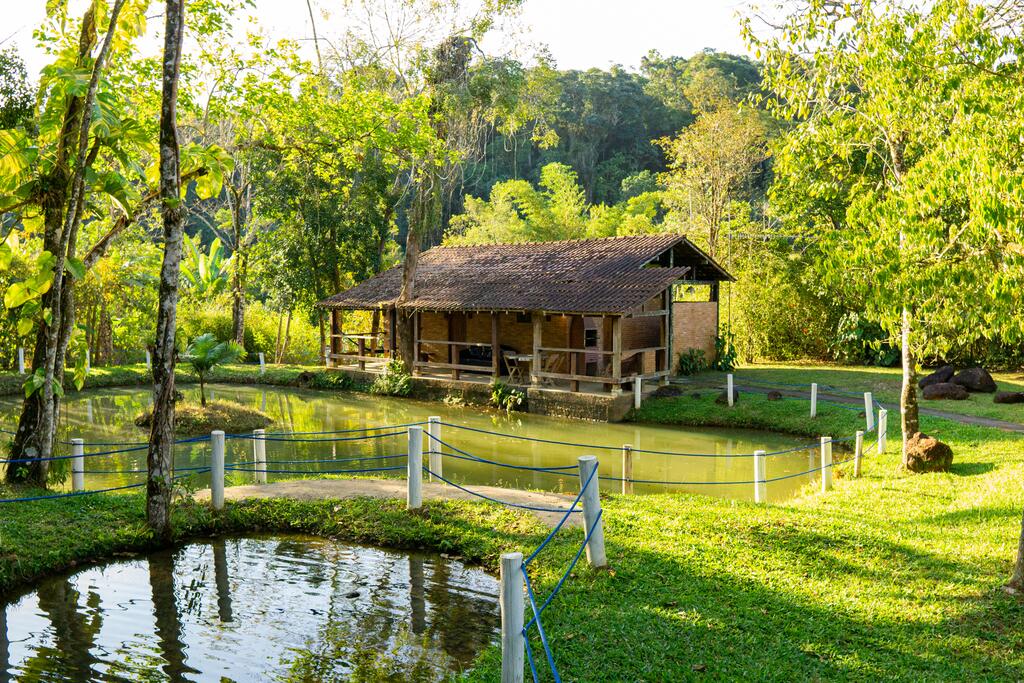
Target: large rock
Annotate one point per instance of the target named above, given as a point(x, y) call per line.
point(1009, 397)
point(945, 391)
point(975, 379)
point(928, 454)
point(723, 398)
point(943, 374)
point(774, 395)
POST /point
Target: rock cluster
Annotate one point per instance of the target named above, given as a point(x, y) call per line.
point(946, 383)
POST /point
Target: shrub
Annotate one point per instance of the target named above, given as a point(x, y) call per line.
point(506, 397)
point(691, 361)
point(395, 380)
point(207, 352)
point(725, 353)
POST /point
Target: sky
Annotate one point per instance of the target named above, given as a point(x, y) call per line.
point(580, 34)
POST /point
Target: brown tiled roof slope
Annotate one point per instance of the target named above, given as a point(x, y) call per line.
point(574, 276)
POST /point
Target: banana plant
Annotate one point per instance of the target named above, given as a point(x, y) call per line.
point(206, 274)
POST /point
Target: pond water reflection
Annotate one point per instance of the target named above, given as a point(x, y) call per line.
point(106, 416)
point(248, 609)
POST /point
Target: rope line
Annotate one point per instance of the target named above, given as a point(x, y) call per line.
point(540, 629)
point(562, 521)
point(496, 500)
point(366, 437)
point(257, 468)
point(476, 458)
point(327, 460)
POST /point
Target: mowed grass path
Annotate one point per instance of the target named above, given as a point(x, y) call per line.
point(892, 576)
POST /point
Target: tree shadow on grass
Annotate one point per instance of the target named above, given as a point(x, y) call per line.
point(970, 469)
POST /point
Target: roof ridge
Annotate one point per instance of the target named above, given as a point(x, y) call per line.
point(576, 240)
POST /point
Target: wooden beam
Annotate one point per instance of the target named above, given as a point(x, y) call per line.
point(415, 340)
point(616, 354)
point(495, 348)
point(538, 333)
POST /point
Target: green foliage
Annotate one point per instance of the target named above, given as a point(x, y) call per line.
point(191, 419)
point(860, 341)
point(691, 361)
point(725, 352)
point(16, 98)
point(206, 274)
point(394, 381)
point(506, 397)
point(206, 352)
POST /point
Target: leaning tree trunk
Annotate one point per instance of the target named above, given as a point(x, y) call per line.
point(1016, 584)
point(909, 419)
point(404, 317)
point(160, 458)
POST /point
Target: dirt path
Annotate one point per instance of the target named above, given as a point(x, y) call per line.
point(322, 489)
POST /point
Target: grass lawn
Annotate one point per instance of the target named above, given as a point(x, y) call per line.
point(884, 383)
point(891, 575)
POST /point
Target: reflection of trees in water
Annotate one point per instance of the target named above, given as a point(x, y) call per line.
point(74, 635)
point(222, 580)
point(167, 617)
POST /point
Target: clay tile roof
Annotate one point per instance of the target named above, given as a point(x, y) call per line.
point(610, 275)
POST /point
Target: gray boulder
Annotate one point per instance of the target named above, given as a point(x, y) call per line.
point(1008, 397)
point(723, 398)
point(943, 374)
point(975, 380)
point(945, 391)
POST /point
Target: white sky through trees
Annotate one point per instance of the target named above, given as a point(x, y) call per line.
point(579, 33)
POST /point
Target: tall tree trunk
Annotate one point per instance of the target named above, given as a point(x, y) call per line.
point(160, 458)
point(238, 271)
point(909, 419)
point(1016, 584)
point(287, 335)
point(62, 203)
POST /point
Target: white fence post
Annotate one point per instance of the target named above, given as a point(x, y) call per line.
point(77, 465)
point(21, 360)
point(263, 363)
point(87, 361)
point(760, 485)
point(883, 430)
point(858, 453)
point(826, 463)
point(592, 510)
point(510, 599)
point(627, 469)
point(414, 494)
point(728, 388)
point(814, 399)
point(638, 393)
point(149, 360)
point(217, 469)
point(259, 454)
point(434, 447)
point(869, 411)
point(327, 356)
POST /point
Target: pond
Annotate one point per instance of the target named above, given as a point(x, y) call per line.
point(250, 609)
point(106, 417)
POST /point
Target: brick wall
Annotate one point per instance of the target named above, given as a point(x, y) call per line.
point(694, 326)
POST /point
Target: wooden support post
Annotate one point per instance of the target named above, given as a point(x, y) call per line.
point(217, 469)
point(495, 348)
point(729, 389)
point(869, 411)
point(760, 483)
point(77, 465)
point(617, 355)
point(259, 455)
point(21, 361)
point(826, 463)
point(669, 332)
point(434, 458)
point(883, 430)
point(858, 453)
point(538, 334)
point(627, 469)
point(415, 343)
point(814, 399)
point(510, 599)
point(414, 493)
point(591, 500)
point(361, 348)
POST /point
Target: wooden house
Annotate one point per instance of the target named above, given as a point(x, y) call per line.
point(582, 315)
